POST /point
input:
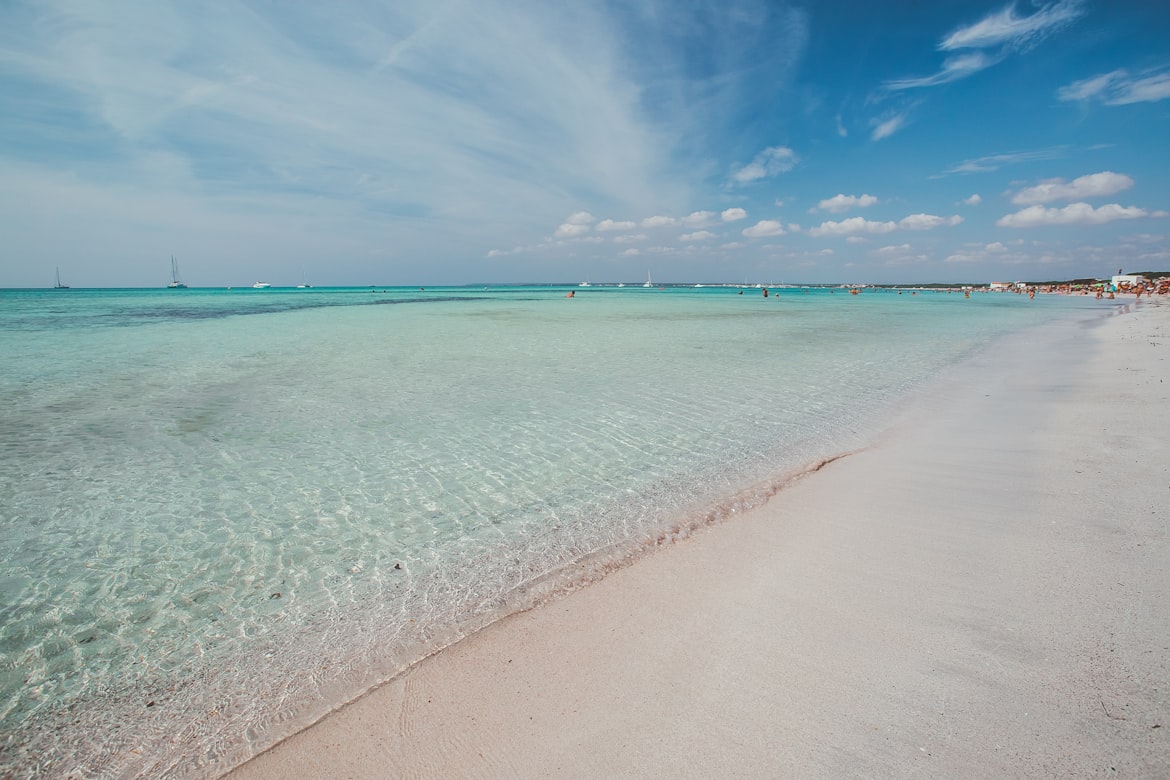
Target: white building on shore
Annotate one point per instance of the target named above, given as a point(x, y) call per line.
point(1129, 279)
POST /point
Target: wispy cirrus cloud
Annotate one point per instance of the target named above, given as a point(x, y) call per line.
point(992, 39)
point(885, 127)
point(993, 162)
point(953, 69)
point(1006, 28)
point(420, 125)
point(1119, 88)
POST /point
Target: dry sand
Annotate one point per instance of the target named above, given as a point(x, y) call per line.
point(985, 592)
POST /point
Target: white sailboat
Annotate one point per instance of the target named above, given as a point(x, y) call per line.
point(648, 282)
point(176, 282)
point(58, 285)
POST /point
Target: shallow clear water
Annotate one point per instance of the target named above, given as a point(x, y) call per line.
point(224, 512)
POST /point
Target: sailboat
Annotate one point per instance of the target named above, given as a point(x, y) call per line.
point(648, 282)
point(58, 285)
point(176, 282)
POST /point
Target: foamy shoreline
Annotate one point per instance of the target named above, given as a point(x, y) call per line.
point(982, 592)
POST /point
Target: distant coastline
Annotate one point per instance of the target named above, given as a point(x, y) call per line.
point(1157, 282)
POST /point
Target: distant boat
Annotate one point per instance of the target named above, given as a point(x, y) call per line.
point(303, 285)
point(621, 284)
point(260, 285)
point(176, 282)
point(584, 284)
point(648, 282)
point(58, 285)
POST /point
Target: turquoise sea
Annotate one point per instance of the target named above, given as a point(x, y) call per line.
point(225, 512)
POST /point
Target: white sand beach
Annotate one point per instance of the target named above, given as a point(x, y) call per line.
point(984, 592)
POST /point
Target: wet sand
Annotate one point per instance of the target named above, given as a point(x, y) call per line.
point(983, 592)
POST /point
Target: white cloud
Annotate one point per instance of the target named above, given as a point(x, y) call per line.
point(570, 230)
point(974, 200)
point(1147, 90)
point(576, 224)
point(1119, 88)
point(995, 247)
point(841, 202)
point(609, 224)
point(953, 69)
point(851, 226)
point(1146, 238)
point(764, 229)
point(698, 235)
point(733, 214)
point(994, 162)
point(1005, 28)
point(928, 221)
point(1074, 214)
point(348, 118)
point(654, 222)
point(630, 238)
point(698, 218)
point(900, 249)
point(632, 252)
point(857, 225)
point(580, 218)
point(993, 37)
point(1094, 185)
point(771, 161)
point(1089, 88)
point(886, 128)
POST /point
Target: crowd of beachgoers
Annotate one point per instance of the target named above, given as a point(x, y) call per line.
point(1159, 286)
point(1149, 287)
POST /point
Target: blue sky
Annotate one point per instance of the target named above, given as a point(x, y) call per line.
point(468, 141)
